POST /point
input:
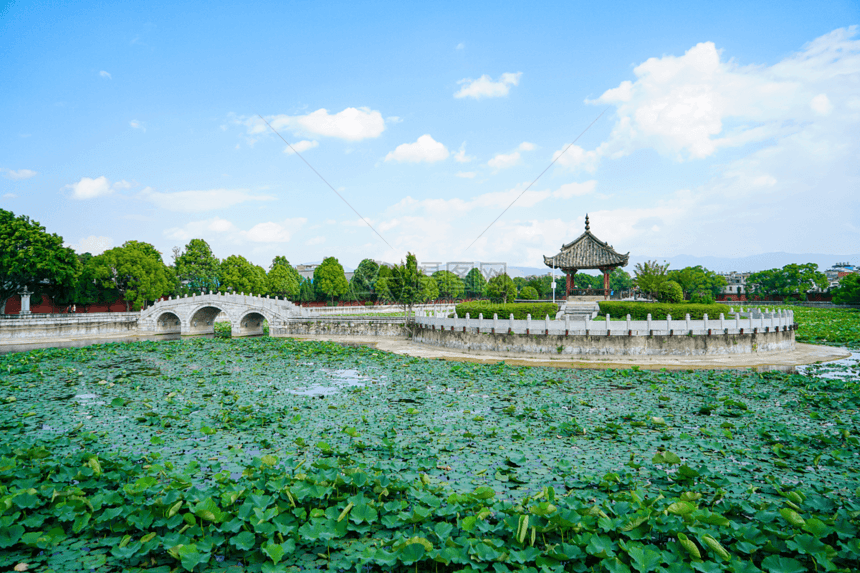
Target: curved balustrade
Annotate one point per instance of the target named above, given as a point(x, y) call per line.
point(740, 323)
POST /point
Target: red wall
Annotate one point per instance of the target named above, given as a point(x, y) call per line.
point(13, 306)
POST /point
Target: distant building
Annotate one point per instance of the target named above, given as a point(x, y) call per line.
point(839, 270)
point(306, 270)
point(735, 285)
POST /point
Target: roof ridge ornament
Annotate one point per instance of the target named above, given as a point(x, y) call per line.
point(587, 226)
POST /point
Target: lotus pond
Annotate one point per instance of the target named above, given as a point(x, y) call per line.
point(279, 455)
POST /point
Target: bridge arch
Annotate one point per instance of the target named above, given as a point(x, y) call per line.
point(201, 320)
point(250, 323)
point(168, 322)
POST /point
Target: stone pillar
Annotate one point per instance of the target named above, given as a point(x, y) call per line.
point(25, 301)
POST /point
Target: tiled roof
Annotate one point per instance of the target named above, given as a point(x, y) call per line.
point(587, 252)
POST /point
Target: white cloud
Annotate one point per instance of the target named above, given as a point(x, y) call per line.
point(351, 124)
point(301, 146)
point(569, 190)
point(17, 175)
point(315, 241)
point(88, 188)
point(105, 74)
point(689, 107)
point(460, 46)
point(199, 201)
point(137, 125)
point(800, 173)
point(821, 105)
point(201, 229)
point(574, 156)
point(486, 87)
point(9, 196)
point(424, 149)
point(460, 156)
point(466, 174)
point(457, 207)
point(123, 184)
point(93, 245)
point(503, 160)
point(225, 232)
point(271, 232)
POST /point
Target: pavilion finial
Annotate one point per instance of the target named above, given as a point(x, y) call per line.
point(587, 226)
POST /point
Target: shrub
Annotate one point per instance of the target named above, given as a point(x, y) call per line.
point(223, 329)
point(538, 310)
point(670, 292)
point(703, 297)
point(529, 293)
point(640, 310)
point(848, 291)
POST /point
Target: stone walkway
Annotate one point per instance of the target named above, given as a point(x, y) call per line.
point(803, 354)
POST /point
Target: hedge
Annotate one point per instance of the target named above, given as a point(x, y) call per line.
point(538, 310)
point(658, 311)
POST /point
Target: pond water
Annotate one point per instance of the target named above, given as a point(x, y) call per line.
point(220, 402)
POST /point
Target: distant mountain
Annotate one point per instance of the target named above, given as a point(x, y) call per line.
point(751, 263)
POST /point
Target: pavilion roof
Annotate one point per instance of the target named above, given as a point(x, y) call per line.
point(587, 252)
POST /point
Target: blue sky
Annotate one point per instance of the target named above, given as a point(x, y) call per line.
point(730, 129)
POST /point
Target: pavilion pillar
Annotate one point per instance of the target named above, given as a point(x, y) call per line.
point(568, 282)
point(606, 284)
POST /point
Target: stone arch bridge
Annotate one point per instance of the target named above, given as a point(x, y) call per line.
point(194, 315)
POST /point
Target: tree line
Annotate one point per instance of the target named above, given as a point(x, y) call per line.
point(792, 282)
point(33, 259)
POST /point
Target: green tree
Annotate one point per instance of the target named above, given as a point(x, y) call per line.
point(649, 276)
point(698, 281)
point(475, 284)
point(585, 280)
point(329, 279)
point(197, 268)
point(364, 279)
point(282, 282)
point(405, 284)
point(86, 290)
point(450, 285)
point(32, 258)
point(306, 291)
point(620, 279)
point(382, 283)
point(542, 285)
point(147, 249)
point(429, 288)
point(239, 275)
point(501, 288)
point(529, 293)
point(135, 272)
point(790, 282)
point(848, 291)
point(670, 292)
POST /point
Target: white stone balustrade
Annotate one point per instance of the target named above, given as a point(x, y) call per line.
point(759, 322)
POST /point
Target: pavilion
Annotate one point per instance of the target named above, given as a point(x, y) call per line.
point(587, 252)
